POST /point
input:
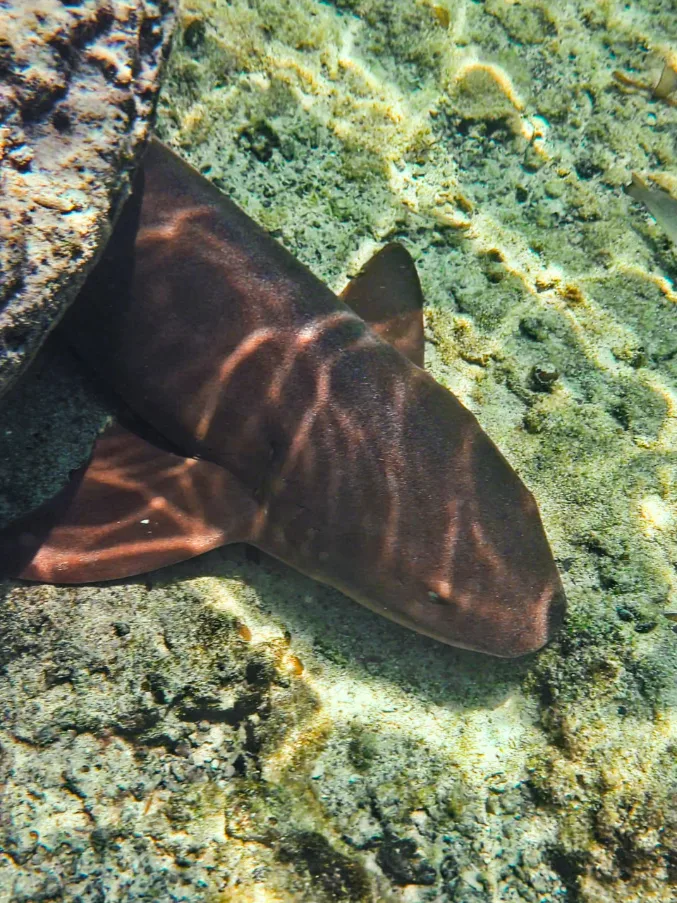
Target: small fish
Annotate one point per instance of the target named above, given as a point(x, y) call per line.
point(661, 205)
point(269, 411)
point(664, 87)
point(667, 83)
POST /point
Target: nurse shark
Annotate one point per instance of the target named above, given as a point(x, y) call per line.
point(262, 408)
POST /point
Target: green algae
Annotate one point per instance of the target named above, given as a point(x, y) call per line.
point(334, 875)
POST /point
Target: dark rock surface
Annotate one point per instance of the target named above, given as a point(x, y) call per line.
point(78, 85)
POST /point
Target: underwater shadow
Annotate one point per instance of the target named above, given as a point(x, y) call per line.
point(344, 632)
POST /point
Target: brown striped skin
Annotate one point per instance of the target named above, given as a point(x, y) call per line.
point(348, 461)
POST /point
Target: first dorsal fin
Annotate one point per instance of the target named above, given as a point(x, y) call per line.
point(387, 295)
point(133, 508)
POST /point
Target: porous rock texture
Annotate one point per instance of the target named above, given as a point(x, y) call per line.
point(78, 85)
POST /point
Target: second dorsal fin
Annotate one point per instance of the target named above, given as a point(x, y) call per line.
point(387, 295)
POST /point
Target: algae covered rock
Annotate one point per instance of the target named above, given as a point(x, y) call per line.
point(78, 88)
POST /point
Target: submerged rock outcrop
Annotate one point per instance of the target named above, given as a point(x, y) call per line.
point(78, 89)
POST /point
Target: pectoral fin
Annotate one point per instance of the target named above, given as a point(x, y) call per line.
point(387, 295)
point(131, 509)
